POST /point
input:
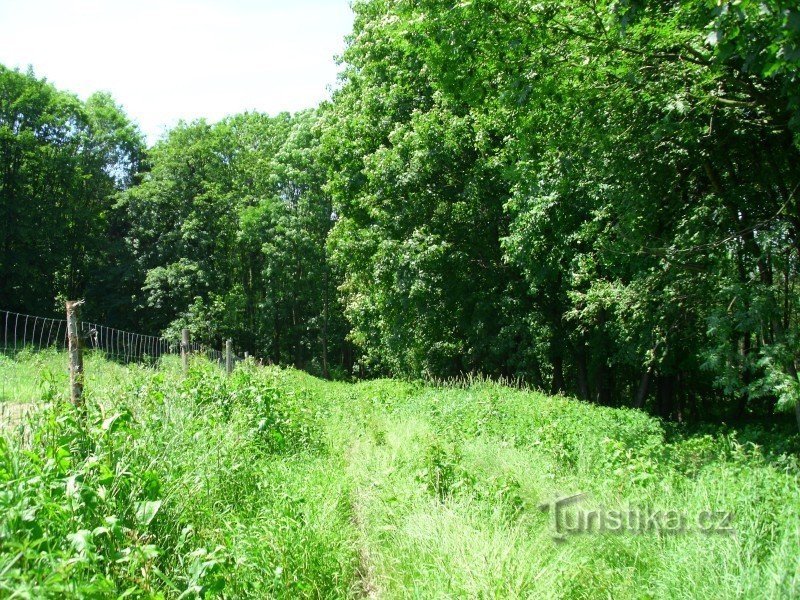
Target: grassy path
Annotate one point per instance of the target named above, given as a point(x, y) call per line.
point(367, 584)
point(448, 484)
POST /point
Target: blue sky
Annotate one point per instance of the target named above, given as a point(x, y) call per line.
point(166, 60)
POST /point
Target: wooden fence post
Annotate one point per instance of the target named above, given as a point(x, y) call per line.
point(229, 357)
point(75, 354)
point(185, 350)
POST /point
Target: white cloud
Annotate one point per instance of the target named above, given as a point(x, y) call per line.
point(172, 59)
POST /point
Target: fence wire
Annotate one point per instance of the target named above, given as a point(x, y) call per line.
point(26, 334)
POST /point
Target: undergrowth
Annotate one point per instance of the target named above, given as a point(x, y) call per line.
point(173, 487)
point(271, 483)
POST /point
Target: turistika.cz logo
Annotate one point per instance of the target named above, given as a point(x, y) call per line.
point(569, 519)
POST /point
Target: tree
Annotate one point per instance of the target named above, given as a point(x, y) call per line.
point(62, 164)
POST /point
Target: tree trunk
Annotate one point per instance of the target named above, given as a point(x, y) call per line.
point(347, 357)
point(678, 398)
point(644, 388)
point(583, 372)
point(557, 385)
point(746, 349)
point(797, 413)
point(665, 395)
point(604, 385)
point(325, 371)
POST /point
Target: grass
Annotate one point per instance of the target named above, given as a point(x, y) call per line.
point(272, 483)
point(23, 385)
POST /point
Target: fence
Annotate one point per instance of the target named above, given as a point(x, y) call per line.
point(29, 333)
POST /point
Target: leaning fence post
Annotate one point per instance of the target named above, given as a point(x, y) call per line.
point(185, 350)
point(229, 357)
point(75, 354)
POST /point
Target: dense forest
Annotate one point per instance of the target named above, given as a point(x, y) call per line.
point(600, 198)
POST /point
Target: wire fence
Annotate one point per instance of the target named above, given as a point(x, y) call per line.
point(29, 332)
point(24, 334)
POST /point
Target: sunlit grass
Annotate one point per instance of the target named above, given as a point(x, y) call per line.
point(271, 483)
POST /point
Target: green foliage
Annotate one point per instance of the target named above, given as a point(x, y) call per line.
point(228, 230)
point(450, 494)
point(597, 198)
point(600, 198)
point(173, 487)
point(61, 163)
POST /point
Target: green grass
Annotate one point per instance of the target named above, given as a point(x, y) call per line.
point(172, 487)
point(23, 385)
point(272, 483)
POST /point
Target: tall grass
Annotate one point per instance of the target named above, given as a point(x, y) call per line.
point(450, 482)
point(271, 483)
point(174, 487)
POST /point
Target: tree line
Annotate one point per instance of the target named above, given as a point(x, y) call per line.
point(601, 198)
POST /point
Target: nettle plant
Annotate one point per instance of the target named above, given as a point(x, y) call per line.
point(80, 517)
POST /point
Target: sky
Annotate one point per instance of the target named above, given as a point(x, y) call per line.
point(166, 60)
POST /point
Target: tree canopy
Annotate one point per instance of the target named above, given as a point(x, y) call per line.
point(62, 161)
point(600, 198)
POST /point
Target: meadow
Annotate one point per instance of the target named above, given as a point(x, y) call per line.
point(273, 483)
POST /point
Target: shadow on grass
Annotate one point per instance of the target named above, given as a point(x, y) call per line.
point(775, 435)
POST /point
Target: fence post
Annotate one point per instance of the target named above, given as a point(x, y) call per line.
point(75, 354)
point(229, 357)
point(185, 350)
point(246, 356)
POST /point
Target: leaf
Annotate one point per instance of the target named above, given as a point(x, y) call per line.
point(116, 422)
point(146, 511)
point(81, 540)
